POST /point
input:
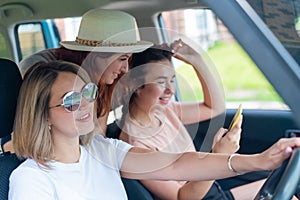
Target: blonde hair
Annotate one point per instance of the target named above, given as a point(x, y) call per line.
point(31, 137)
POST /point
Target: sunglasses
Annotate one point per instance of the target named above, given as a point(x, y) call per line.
point(72, 100)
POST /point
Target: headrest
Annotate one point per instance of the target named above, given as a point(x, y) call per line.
point(10, 83)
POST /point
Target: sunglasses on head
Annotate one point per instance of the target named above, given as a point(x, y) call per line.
point(72, 100)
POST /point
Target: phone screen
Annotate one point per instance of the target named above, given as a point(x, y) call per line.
point(236, 117)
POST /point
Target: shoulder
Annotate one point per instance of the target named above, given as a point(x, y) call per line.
point(108, 150)
point(29, 181)
point(174, 106)
point(104, 141)
point(132, 127)
point(108, 146)
point(29, 169)
point(172, 109)
point(124, 136)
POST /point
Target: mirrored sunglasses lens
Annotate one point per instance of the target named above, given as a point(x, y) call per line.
point(90, 92)
point(72, 101)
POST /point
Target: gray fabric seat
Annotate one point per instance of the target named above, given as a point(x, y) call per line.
point(10, 82)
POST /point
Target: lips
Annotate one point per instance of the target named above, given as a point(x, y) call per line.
point(84, 118)
point(164, 100)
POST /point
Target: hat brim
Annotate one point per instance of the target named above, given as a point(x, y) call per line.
point(138, 47)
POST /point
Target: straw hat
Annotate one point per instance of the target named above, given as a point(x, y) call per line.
point(107, 31)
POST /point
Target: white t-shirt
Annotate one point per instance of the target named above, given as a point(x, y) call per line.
point(95, 176)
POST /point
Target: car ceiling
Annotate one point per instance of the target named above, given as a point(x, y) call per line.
point(18, 11)
point(14, 11)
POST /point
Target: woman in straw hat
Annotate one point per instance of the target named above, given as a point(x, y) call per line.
point(105, 42)
point(54, 131)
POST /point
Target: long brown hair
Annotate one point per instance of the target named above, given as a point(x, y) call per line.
point(86, 59)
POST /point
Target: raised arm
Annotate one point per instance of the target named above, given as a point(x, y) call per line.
point(213, 103)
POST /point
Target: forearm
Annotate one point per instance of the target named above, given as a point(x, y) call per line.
point(195, 167)
point(213, 104)
point(211, 86)
point(191, 166)
point(207, 75)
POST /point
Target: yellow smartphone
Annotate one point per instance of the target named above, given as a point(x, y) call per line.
point(236, 117)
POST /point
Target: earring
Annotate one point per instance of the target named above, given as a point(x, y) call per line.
point(49, 127)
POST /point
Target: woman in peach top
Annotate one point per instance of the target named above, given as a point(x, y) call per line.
point(152, 120)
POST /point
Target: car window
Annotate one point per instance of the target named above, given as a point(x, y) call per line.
point(31, 38)
point(3, 47)
point(67, 27)
point(36, 36)
point(241, 79)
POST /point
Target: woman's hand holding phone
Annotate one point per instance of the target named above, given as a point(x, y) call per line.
point(236, 117)
point(228, 141)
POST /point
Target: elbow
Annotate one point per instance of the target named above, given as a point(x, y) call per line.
point(218, 110)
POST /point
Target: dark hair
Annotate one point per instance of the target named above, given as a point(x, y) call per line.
point(125, 94)
point(154, 54)
point(76, 57)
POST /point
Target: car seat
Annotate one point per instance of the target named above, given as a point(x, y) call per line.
point(10, 82)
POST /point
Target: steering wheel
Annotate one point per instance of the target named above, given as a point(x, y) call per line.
point(283, 182)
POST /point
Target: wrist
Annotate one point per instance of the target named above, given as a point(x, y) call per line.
point(229, 164)
point(246, 163)
point(240, 164)
point(257, 163)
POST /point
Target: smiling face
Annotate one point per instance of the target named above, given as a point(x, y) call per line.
point(66, 124)
point(159, 85)
point(116, 65)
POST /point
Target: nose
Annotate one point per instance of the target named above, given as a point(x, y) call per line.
point(84, 103)
point(170, 88)
point(124, 67)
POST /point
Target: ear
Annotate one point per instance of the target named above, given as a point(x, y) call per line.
point(138, 91)
point(49, 122)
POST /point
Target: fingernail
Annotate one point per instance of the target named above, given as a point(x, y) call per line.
point(288, 150)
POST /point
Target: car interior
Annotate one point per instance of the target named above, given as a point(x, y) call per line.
point(266, 30)
point(10, 83)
